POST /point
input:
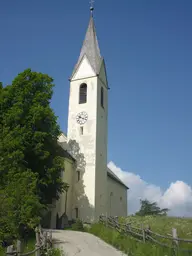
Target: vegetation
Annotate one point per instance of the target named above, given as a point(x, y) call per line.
point(161, 225)
point(78, 226)
point(30, 158)
point(148, 208)
point(28, 247)
point(19, 205)
point(55, 252)
point(154, 217)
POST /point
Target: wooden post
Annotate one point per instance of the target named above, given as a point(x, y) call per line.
point(49, 241)
point(51, 238)
point(45, 239)
point(18, 247)
point(37, 245)
point(10, 250)
point(128, 227)
point(147, 231)
point(175, 241)
point(143, 232)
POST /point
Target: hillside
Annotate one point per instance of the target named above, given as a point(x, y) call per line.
point(164, 225)
point(133, 243)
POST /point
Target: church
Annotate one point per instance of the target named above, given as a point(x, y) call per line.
point(93, 189)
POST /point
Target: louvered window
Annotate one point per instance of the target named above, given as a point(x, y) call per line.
point(83, 94)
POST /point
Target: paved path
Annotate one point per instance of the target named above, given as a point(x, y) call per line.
point(75, 243)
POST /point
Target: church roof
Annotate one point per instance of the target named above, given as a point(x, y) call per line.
point(114, 177)
point(90, 49)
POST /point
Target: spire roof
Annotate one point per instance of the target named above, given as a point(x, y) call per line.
point(90, 48)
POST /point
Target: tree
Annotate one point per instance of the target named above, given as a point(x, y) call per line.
point(29, 133)
point(19, 204)
point(148, 208)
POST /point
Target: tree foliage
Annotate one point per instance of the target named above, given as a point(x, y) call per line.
point(148, 208)
point(30, 158)
point(19, 204)
point(29, 133)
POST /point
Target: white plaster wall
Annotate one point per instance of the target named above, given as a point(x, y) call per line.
point(84, 70)
point(116, 207)
point(53, 210)
point(93, 143)
point(67, 177)
point(62, 138)
point(101, 151)
point(87, 141)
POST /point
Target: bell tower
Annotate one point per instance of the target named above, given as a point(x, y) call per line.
point(87, 125)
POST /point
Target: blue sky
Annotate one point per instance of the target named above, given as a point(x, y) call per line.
point(147, 47)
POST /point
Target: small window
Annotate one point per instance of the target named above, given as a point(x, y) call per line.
point(82, 93)
point(78, 175)
point(102, 97)
point(121, 198)
point(81, 130)
point(76, 213)
point(62, 172)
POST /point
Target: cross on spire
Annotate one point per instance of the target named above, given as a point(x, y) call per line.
point(91, 6)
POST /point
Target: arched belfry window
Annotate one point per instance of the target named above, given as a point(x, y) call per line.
point(102, 97)
point(82, 93)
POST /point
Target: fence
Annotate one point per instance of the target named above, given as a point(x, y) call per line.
point(43, 242)
point(145, 234)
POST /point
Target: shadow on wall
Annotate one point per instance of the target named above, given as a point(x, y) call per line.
point(81, 207)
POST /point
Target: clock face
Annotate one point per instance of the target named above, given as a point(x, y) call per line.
point(82, 118)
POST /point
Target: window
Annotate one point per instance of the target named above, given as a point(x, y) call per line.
point(76, 213)
point(82, 93)
point(78, 176)
point(102, 97)
point(62, 173)
point(81, 130)
point(121, 198)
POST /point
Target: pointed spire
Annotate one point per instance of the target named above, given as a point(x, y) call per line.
point(90, 47)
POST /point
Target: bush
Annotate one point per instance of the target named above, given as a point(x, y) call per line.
point(78, 226)
point(54, 252)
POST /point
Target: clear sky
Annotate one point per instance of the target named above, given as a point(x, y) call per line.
point(147, 47)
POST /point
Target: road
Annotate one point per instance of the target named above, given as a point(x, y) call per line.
point(75, 243)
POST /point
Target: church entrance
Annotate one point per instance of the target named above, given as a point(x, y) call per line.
point(62, 222)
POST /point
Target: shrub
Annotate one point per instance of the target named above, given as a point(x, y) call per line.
point(54, 252)
point(78, 226)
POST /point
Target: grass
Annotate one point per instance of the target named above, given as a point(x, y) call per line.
point(29, 246)
point(161, 225)
point(2, 251)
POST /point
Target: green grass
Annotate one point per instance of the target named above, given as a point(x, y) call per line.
point(161, 225)
point(28, 247)
point(2, 251)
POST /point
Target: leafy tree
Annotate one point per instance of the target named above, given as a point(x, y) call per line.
point(29, 133)
point(19, 204)
point(148, 208)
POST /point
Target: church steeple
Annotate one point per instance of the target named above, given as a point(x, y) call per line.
point(90, 48)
